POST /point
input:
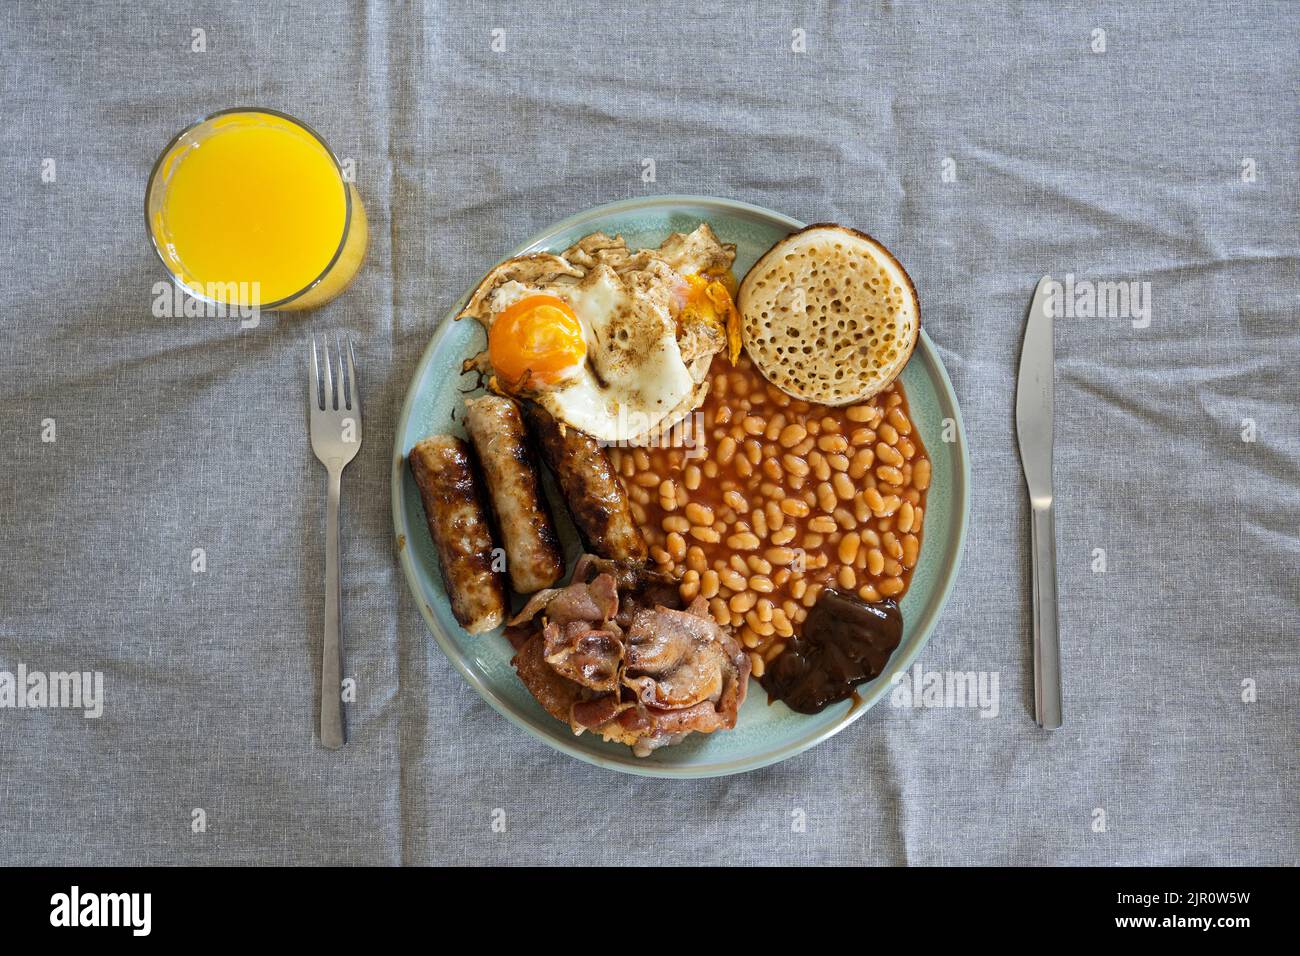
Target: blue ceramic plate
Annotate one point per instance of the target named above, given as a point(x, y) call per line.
point(764, 734)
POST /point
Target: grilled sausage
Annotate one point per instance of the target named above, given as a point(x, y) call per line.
point(533, 554)
point(453, 505)
point(594, 494)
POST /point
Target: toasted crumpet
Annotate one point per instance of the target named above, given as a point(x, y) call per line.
point(829, 315)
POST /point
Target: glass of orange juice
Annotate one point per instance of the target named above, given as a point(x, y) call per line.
point(250, 208)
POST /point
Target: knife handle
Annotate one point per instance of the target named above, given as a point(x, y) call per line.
point(1047, 637)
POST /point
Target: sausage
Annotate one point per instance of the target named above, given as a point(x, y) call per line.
point(453, 505)
point(533, 554)
point(593, 492)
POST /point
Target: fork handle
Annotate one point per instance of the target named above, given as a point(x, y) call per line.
point(331, 665)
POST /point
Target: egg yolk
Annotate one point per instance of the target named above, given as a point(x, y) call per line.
point(709, 299)
point(537, 339)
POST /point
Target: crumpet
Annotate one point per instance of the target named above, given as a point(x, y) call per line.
point(829, 315)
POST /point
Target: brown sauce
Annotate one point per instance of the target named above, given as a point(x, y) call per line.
point(844, 642)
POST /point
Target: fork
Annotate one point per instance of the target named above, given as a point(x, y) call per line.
point(335, 438)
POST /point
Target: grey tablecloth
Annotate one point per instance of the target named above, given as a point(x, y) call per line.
point(985, 146)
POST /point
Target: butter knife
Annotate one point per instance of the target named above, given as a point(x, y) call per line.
point(1034, 432)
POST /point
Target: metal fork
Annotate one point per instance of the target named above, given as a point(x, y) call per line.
point(335, 438)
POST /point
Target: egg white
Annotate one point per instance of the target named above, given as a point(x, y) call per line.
point(633, 375)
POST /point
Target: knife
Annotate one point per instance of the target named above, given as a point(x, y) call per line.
point(1034, 432)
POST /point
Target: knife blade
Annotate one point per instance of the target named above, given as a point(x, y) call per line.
point(1034, 426)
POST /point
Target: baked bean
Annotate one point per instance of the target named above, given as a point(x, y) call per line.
point(888, 454)
point(862, 436)
point(757, 666)
point(823, 524)
point(710, 469)
point(780, 576)
point(911, 550)
point(812, 541)
point(733, 579)
point(906, 512)
point(742, 541)
point(889, 475)
point(890, 586)
point(892, 568)
point(762, 584)
point(759, 627)
point(779, 556)
point(760, 524)
point(676, 546)
point(764, 609)
point(795, 507)
point(848, 547)
point(753, 425)
point(719, 611)
point(758, 565)
point(861, 461)
point(843, 486)
point(826, 499)
point(676, 523)
point(646, 479)
point(846, 578)
point(699, 514)
point(743, 467)
point(695, 558)
point(820, 467)
point(774, 427)
point(709, 584)
point(742, 601)
point(726, 449)
point(875, 562)
point(661, 556)
point(753, 451)
point(803, 447)
point(642, 459)
point(794, 465)
point(749, 638)
point(906, 447)
point(899, 421)
point(869, 593)
point(917, 513)
point(792, 435)
point(887, 434)
point(707, 535)
point(859, 413)
point(784, 535)
point(833, 443)
point(781, 624)
point(891, 545)
point(921, 474)
point(690, 585)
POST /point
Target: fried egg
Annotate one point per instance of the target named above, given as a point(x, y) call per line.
point(612, 343)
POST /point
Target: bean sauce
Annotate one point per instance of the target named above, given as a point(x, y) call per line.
point(845, 642)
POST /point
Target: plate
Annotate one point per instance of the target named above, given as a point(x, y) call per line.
point(764, 734)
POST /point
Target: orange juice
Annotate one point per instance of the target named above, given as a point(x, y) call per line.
point(251, 208)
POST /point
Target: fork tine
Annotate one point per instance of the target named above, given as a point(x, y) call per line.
point(345, 382)
point(313, 386)
point(329, 377)
point(354, 392)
